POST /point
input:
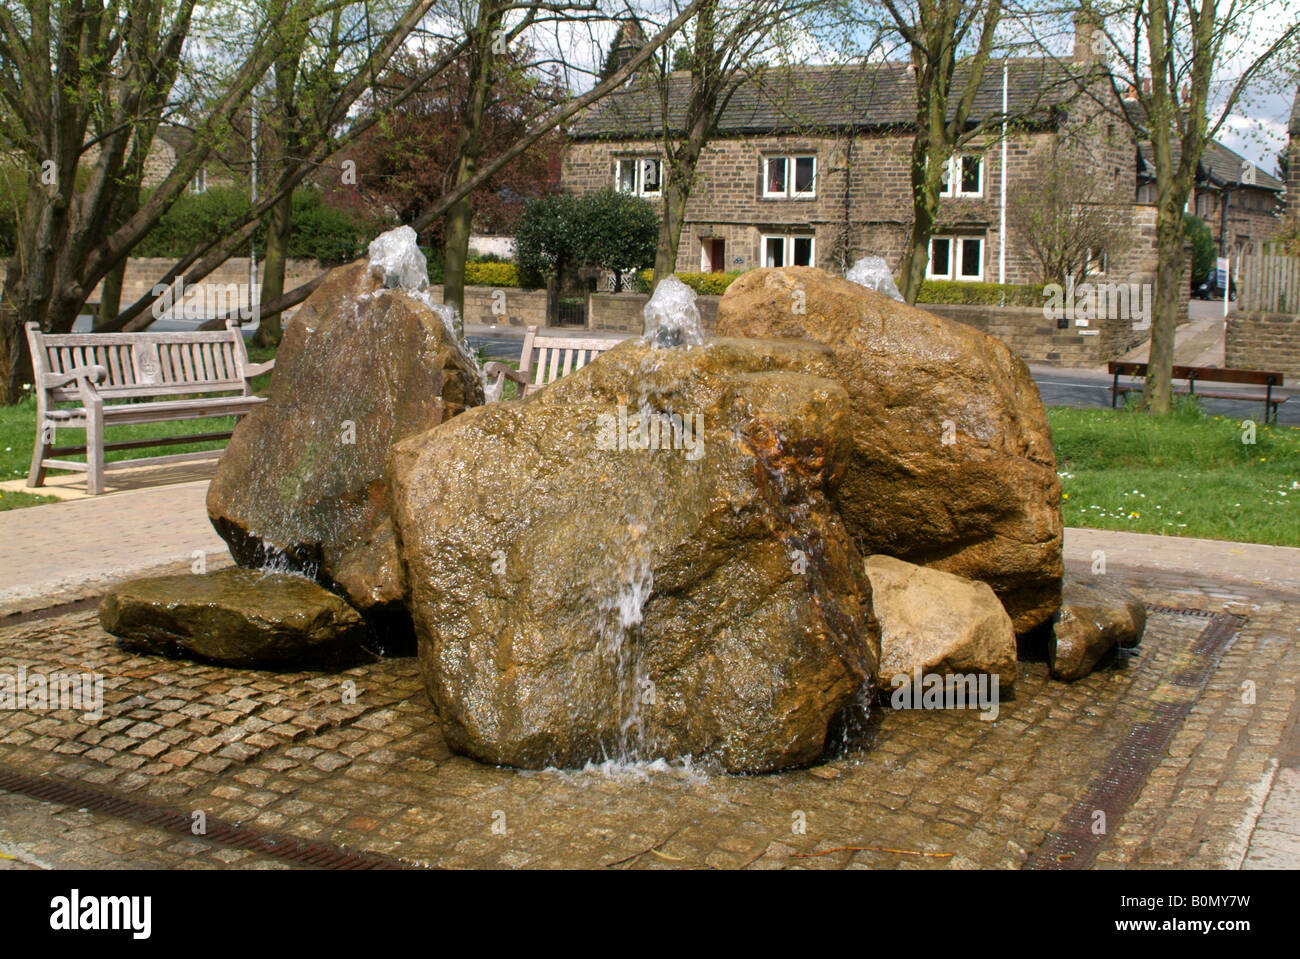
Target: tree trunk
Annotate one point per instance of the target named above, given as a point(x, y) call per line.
point(278, 232)
point(925, 213)
point(17, 364)
point(455, 250)
point(1157, 393)
point(460, 215)
point(110, 296)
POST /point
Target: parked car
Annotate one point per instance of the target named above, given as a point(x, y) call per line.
point(1209, 289)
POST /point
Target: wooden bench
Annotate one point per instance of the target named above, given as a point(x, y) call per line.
point(118, 378)
point(544, 359)
point(1204, 374)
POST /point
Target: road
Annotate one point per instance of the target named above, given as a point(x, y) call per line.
point(1059, 387)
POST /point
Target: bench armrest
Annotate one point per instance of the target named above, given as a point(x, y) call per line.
point(497, 374)
point(257, 369)
point(89, 375)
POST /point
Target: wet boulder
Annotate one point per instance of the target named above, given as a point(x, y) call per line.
point(302, 486)
point(642, 561)
point(1094, 619)
point(935, 622)
point(236, 617)
point(952, 464)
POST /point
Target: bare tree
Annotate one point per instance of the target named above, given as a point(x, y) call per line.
point(1177, 71)
point(83, 90)
point(1067, 216)
point(728, 43)
point(936, 33)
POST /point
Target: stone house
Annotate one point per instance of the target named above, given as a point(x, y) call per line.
point(811, 166)
point(1240, 202)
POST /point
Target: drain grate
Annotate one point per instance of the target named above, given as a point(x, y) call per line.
point(311, 853)
point(1073, 845)
point(49, 612)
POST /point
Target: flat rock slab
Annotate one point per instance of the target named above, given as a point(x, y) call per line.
point(1092, 621)
point(936, 622)
point(236, 617)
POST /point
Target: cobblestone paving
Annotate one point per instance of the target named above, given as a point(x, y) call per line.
point(297, 754)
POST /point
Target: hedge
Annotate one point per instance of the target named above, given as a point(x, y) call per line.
point(488, 273)
point(706, 284)
point(980, 294)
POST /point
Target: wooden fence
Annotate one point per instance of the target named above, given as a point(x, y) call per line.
point(1269, 282)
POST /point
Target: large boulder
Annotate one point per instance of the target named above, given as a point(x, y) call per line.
point(935, 622)
point(593, 580)
point(236, 617)
point(1094, 619)
point(952, 464)
point(301, 485)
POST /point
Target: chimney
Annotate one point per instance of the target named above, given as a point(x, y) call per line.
point(1089, 42)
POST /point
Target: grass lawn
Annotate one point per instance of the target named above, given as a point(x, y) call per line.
point(18, 430)
point(1185, 474)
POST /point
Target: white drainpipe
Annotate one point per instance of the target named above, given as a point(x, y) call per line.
point(1002, 202)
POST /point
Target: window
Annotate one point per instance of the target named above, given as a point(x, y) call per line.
point(790, 176)
point(200, 182)
point(788, 251)
point(640, 176)
point(956, 258)
point(1095, 261)
point(966, 171)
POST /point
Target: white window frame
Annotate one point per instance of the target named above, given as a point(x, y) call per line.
point(791, 161)
point(956, 243)
point(788, 248)
point(953, 189)
point(638, 175)
point(199, 184)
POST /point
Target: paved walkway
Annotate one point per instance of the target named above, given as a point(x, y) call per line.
point(280, 751)
point(63, 551)
point(1198, 342)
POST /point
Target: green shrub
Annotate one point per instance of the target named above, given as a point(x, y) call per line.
point(193, 219)
point(1204, 252)
point(982, 294)
point(326, 233)
point(488, 273)
point(608, 230)
point(320, 232)
point(705, 284)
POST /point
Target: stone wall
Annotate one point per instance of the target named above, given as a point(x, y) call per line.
point(226, 288)
point(1034, 337)
point(1263, 341)
point(1037, 338)
point(501, 306)
point(624, 312)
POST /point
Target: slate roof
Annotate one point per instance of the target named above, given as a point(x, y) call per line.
point(855, 96)
point(1219, 164)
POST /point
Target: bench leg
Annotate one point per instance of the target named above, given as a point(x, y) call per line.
point(94, 453)
point(40, 450)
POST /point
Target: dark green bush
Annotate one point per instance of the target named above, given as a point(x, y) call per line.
point(1204, 252)
point(982, 294)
